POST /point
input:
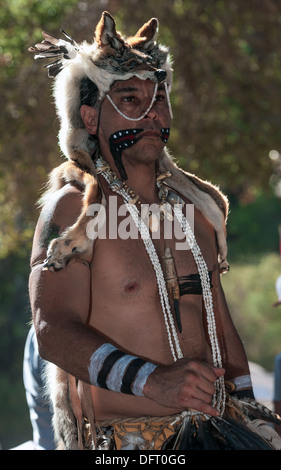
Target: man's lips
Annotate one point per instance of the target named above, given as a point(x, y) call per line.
point(153, 134)
point(163, 134)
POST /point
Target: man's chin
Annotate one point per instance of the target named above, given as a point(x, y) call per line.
point(146, 150)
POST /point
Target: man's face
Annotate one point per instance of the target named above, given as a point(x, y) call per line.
point(133, 98)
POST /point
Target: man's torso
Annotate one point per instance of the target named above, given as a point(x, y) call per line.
point(126, 307)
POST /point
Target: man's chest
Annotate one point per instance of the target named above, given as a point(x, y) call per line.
point(126, 260)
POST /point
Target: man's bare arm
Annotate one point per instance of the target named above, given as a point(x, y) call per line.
point(60, 301)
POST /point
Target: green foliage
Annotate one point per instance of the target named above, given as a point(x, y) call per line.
point(250, 293)
point(25, 145)
point(21, 22)
point(14, 325)
point(252, 227)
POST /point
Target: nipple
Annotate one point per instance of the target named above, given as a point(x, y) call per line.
point(131, 287)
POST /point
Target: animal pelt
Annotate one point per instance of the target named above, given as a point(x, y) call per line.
point(64, 421)
point(74, 241)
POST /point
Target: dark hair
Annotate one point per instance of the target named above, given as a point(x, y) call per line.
point(88, 92)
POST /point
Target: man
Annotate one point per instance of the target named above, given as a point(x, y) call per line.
point(146, 359)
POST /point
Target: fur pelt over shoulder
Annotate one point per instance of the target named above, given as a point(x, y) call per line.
point(74, 243)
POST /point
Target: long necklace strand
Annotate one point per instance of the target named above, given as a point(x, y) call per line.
point(113, 181)
point(219, 395)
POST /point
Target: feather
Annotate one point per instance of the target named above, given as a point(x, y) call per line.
point(188, 438)
point(49, 38)
point(256, 409)
point(74, 43)
point(46, 46)
point(193, 434)
point(210, 441)
point(53, 48)
point(132, 441)
point(238, 436)
point(54, 68)
point(215, 434)
point(173, 442)
point(46, 55)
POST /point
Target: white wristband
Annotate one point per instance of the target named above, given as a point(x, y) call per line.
point(244, 381)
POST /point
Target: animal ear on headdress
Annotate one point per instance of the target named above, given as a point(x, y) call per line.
point(106, 34)
point(146, 35)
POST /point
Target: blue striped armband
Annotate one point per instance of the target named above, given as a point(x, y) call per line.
point(114, 370)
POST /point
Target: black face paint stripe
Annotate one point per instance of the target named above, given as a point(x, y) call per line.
point(119, 141)
point(165, 134)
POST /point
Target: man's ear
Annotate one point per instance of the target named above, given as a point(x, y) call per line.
point(89, 116)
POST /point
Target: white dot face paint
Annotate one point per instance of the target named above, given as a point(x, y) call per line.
point(119, 141)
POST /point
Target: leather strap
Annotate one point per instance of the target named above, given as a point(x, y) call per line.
point(191, 284)
point(76, 407)
point(89, 410)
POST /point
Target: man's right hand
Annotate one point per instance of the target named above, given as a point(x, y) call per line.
point(184, 384)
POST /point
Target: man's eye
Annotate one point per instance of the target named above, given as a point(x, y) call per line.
point(160, 98)
point(129, 99)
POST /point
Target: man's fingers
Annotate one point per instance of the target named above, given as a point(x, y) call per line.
point(205, 375)
point(204, 407)
point(198, 394)
point(219, 372)
point(207, 370)
point(200, 402)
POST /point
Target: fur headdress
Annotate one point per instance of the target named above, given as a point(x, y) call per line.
point(109, 58)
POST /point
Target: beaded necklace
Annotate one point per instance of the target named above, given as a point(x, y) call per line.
point(132, 202)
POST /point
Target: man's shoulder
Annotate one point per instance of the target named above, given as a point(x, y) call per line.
point(63, 203)
point(60, 210)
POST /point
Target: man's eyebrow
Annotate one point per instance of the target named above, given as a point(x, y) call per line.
point(131, 89)
point(127, 89)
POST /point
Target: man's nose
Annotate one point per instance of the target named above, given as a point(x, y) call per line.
point(152, 113)
point(160, 75)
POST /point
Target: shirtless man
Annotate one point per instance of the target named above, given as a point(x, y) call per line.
point(109, 302)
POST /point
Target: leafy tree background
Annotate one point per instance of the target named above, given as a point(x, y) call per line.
point(226, 129)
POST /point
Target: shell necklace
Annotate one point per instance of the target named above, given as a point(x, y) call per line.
point(131, 201)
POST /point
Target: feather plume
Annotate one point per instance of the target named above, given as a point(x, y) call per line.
point(59, 49)
point(256, 409)
point(196, 433)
